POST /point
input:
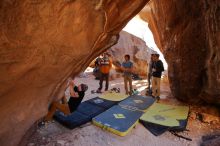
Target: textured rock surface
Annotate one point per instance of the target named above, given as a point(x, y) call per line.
point(44, 42)
point(188, 33)
point(211, 139)
point(135, 47)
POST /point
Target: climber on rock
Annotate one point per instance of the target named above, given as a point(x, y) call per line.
point(157, 69)
point(76, 94)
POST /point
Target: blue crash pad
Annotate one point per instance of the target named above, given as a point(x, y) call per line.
point(102, 102)
point(89, 109)
point(137, 102)
point(73, 120)
point(84, 113)
point(117, 120)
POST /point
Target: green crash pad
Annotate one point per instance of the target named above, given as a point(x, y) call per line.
point(113, 96)
point(117, 120)
point(137, 102)
point(165, 115)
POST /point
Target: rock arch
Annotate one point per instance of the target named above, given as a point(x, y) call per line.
point(44, 42)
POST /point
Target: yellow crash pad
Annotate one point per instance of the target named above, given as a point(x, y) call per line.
point(166, 115)
point(113, 96)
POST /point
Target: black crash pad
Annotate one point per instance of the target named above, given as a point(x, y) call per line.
point(84, 113)
point(157, 130)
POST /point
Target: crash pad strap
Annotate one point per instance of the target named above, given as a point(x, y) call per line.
point(180, 136)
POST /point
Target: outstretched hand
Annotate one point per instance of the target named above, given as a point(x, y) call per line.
point(72, 83)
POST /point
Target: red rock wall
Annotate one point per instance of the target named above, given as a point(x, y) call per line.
point(44, 42)
point(135, 47)
point(188, 33)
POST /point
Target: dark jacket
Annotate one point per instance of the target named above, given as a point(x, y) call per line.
point(159, 68)
point(74, 102)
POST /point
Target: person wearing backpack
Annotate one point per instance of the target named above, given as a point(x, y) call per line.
point(105, 67)
point(96, 70)
point(157, 69)
point(149, 76)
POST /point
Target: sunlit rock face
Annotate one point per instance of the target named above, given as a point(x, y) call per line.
point(136, 48)
point(188, 33)
point(44, 42)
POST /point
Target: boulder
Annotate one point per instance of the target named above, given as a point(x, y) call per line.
point(187, 32)
point(136, 48)
point(42, 43)
point(207, 118)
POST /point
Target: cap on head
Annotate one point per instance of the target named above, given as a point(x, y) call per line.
point(84, 87)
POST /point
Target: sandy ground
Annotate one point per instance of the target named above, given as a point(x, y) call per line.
point(55, 134)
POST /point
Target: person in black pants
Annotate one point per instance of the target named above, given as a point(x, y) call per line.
point(105, 67)
point(149, 77)
point(157, 70)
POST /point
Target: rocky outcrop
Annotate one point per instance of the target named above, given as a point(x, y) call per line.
point(187, 32)
point(44, 42)
point(135, 47)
